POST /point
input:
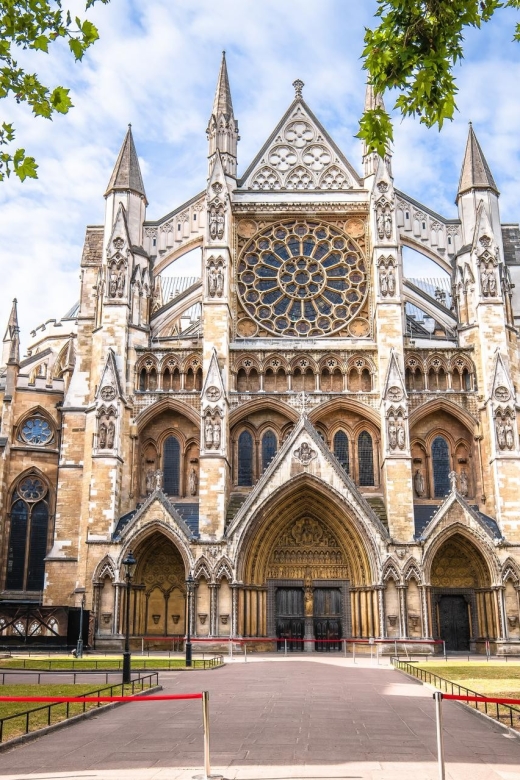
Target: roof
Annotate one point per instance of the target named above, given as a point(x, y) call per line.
point(475, 172)
point(511, 239)
point(127, 173)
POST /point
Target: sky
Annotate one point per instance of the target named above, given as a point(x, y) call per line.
point(156, 66)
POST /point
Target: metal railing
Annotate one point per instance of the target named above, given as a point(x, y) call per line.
point(146, 681)
point(106, 665)
point(503, 713)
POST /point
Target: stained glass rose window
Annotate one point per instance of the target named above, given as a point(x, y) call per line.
point(302, 278)
point(36, 430)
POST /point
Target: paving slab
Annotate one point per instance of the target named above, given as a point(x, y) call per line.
point(291, 719)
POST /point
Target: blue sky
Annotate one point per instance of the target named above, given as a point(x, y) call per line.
point(156, 65)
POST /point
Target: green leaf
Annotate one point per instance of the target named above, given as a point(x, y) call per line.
point(24, 167)
point(60, 100)
point(76, 48)
point(41, 43)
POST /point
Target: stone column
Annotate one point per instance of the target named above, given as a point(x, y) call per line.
point(403, 627)
point(213, 608)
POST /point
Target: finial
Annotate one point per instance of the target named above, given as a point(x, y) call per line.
point(298, 86)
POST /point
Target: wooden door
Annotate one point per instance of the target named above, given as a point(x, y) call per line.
point(454, 622)
point(328, 605)
point(290, 619)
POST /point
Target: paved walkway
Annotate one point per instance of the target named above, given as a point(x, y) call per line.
point(320, 718)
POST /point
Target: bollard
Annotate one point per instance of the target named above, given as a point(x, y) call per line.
point(205, 725)
point(345, 647)
point(285, 642)
point(245, 653)
point(440, 736)
point(354, 652)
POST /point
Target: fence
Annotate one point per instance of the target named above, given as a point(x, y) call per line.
point(87, 698)
point(153, 679)
point(56, 664)
point(33, 673)
point(502, 711)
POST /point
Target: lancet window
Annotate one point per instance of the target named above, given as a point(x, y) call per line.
point(366, 459)
point(171, 466)
point(269, 447)
point(28, 535)
point(245, 459)
point(441, 467)
point(341, 450)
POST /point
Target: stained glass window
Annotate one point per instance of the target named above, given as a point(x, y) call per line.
point(28, 535)
point(302, 279)
point(366, 459)
point(441, 467)
point(269, 446)
point(245, 459)
point(36, 430)
point(341, 450)
point(171, 466)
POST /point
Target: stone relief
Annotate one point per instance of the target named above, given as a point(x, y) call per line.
point(193, 482)
point(488, 280)
point(396, 431)
point(215, 277)
point(463, 483)
point(384, 219)
point(117, 278)
point(305, 453)
point(108, 393)
point(212, 430)
point(504, 430)
point(418, 483)
point(216, 220)
point(387, 280)
point(106, 432)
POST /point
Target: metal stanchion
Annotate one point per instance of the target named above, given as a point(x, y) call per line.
point(345, 647)
point(285, 642)
point(230, 649)
point(444, 649)
point(205, 725)
point(142, 646)
point(354, 652)
point(245, 653)
point(440, 737)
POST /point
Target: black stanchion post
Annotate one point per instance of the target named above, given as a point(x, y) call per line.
point(129, 563)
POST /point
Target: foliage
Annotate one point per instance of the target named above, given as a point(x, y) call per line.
point(414, 49)
point(36, 25)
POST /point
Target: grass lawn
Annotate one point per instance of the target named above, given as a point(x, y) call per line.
point(492, 678)
point(44, 664)
point(37, 720)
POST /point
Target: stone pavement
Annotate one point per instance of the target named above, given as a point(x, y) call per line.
point(305, 717)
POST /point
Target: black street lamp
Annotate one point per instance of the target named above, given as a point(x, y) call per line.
point(190, 585)
point(129, 563)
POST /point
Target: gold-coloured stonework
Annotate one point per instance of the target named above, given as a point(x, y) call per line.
point(307, 546)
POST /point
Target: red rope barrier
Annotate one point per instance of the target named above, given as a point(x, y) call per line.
point(483, 699)
point(243, 640)
point(80, 699)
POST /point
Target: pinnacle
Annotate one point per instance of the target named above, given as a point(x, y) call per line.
point(222, 103)
point(127, 173)
point(373, 99)
point(475, 173)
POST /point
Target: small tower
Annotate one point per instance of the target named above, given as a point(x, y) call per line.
point(222, 128)
point(371, 159)
point(11, 342)
point(476, 184)
point(126, 188)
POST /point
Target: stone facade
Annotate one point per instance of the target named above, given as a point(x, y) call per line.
point(326, 445)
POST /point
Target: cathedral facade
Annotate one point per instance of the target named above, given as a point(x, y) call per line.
point(328, 446)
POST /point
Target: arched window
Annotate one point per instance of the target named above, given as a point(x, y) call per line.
point(190, 380)
point(198, 379)
point(171, 466)
point(245, 459)
point(241, 380)
point(341, 450)
point(269, 447)
point(366, 459)
point(441, 467)
point(28, 536)
point(366, 380)
point(142, 380)
point(152, 380)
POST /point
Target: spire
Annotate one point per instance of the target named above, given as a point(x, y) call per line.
point(127, 173)
point(475, 172)
point(373, 100)
point(222, 103)
point(222, 130)
point(11, 350)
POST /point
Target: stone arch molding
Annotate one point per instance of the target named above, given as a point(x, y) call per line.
point(148, 525)
point(105, 568)
point(471, 534)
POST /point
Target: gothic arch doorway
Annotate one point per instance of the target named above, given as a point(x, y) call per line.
point(158, 604)
point(464, 606)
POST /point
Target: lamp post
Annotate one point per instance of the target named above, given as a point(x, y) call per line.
point(79, 646)
point(190, 584)
point(129, 563)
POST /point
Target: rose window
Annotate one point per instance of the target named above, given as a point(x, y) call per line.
point(36, 430)
point(302, 279)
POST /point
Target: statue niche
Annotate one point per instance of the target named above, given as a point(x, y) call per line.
point(106, 428)
point(307, 548)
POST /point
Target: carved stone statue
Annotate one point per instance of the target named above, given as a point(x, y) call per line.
point(111, 433)
point(463, 483)
point(212, 281)
point(158, 479)
point(418, 483)
point(452, 476)
point(193, 482)
point(380, 222)
point(220, 224)
point(112, 287)
point(391, 282)
point(392, 433)
point(208, 433)
point(102, 436)
point(401, 435)
point(120, 283)
point(213, 223)
point(501, 433)
point(510, 436)
point(484, 281)
point(309, 602)
point(220, 282)
point(150, 481)
point(388, 222)
point(383, 281)
point(492, 282)
point(216, 433)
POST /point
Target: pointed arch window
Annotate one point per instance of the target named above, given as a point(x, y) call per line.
point(245, 459)
point(28, 535)
point(172, 466)
point(441, 467)
point(341, 450)
point(366, 459)
point(269, 448)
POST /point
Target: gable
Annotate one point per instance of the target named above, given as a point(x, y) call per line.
point(300, 155)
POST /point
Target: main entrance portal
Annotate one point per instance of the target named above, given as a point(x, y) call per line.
point(307, 614)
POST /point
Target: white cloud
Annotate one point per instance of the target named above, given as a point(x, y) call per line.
point(156, 66)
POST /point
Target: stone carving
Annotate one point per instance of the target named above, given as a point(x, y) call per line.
point(213, 393)
point(387, 280)
point(463, 483)
point(392, 433)
point(488, 280)
point(510, 436)
point(111, 432)
point(418, 483)
point(216, 433)
point(150, 481)
point(193, 482)
point(505, 430)
point(217, 220)
point(396, 431)
point(394, 393)
point(116, 284)
point(102, 436)
point(158, 476)
point(108, 393)
point(502, 394)
point(501, 433)
point(212, 430)
point(452, 476)
point(305, 453)
point(106, 428)
point(298, 86)
point(215, 277)
point(384, 219)
point(307, 550)
point(208, 432)
point(401, 434)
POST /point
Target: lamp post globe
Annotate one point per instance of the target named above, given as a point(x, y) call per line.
point(190, 585)
point(129, 563)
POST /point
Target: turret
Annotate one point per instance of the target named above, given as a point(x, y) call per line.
point(222, 128)
point(126, 188)
point(11, 342)
point(476, 184)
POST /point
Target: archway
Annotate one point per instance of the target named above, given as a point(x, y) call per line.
point(464, 606)
point(158, 605)
point(308, 568)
